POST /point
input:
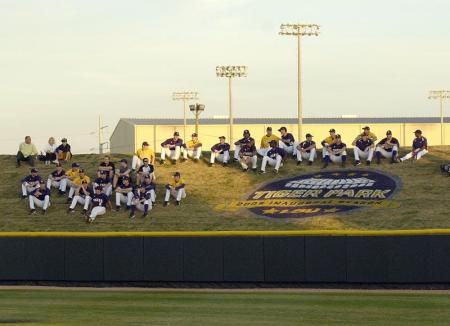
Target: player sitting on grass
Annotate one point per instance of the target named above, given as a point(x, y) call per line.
point(419, 147)
point(141, 201)
point(145, 152)
point(57, 179)
point(287, 141)
point(172, 148)
point(388, 148)
point(83, 196)
point(247, 155)
point(364, 148)
point(40, 197)
point(265, 141)
point(122, 172)
point(124, 193)
point(306, 150)
point(30, 183)
point(63, 151)
point(220, 151)
point(192, 148)
point(77, 183)
point(241, 143)
point(72, 174)
point(336, 153)
point(328, 141)
point(98, 205)
point(150, 187)
point(176, 189)
point(274, 156)
point(107, 166)
point(104, 181)
point(366, 132)
point(144, 170)
point(27, 152)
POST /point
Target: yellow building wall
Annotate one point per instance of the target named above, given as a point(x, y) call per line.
point(209, 134)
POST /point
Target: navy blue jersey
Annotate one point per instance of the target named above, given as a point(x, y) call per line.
point(247, 150)
point(57, 175)
point(146, 169)
point(246, 140)
point(172, 143)
point(288, 139)
point(109, 172)
point(149, 186)
point(363, 144)
point(420, 142)
point(123, 187)
point(306, 144)
point(141, 196)
point(63, 148)
point(273, 152)
point(335, 147)
point(89, 192)
point(99, 200)
point(40, 193)
point(393, 141)
point(32, 179)
point(102, 182)
point(221, 148)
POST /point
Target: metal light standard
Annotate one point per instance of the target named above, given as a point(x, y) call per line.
point(299, 30)
point(441, 95)
point(231, 72)
point(197, 109)
point(184, 96)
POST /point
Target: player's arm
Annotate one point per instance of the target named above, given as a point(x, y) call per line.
point(356, 139)
point(238, 142)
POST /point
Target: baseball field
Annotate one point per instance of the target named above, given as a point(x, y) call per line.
point(421, 200)
point(221, 307)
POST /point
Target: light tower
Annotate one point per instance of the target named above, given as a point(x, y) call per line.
point(185, 97)
point(441, 95)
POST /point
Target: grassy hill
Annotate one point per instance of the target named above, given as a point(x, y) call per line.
point(422, 198)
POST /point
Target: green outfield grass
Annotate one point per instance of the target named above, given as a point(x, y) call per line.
point(423, 200)
point(68, 307)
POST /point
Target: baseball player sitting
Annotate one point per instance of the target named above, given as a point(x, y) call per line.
point(40, 197)
point(364, 148)
point(57, 179)
point(388, 148)
point(368, 133)
point(287, 141)
point(172, 148)
point(141, 201)
point(336, 153)
point(72, 174)
point(306, 150)
point(97, 205)
point(150, 187)
point(77, 183)
point(241, 142)
point(176, 189)
point(247, 155)
point(124, 193)
point(145, 170)
point(30, 183)
point(265, 141)
point(220, 151)
point(274, 156)
point(145, 152)
point(63, 151)
point(192, 148)
point(122, 172)
point(104, 181)
point(419, 147)
point(328, 141)
point(83, 196)
point(107, 166)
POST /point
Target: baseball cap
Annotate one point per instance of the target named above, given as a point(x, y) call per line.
point(34, 170)
point(123, 161)
point(246, 131)
point(176, 133)
point(332, 130)
point(308, 135)
point(177, 174)
point(418, 131)
point(75, 165)
point(99, 188)
point(145, 144)
point(222, 137)
point(388, 132)
point(366, 128)
point(273, 142)
point(269, 128)
point(194, 134)
point(64, 140)
point(338, 136)
point(282, 128)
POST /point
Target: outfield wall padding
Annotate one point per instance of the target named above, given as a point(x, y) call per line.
point(271, 259)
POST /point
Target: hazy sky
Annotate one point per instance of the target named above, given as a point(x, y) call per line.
point(64, 62)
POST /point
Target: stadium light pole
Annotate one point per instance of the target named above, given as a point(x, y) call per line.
point(299, 30)
point(231, 72)
point(185, 97)
point(197, 109)
point(441, 95)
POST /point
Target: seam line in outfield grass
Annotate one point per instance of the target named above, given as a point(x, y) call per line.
point(233, 233)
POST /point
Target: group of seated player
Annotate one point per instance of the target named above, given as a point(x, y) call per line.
point(274, 149)
point(51, 153)
point(95, 196)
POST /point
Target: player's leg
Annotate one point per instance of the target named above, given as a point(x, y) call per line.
point(254, 162)
point(177, 152)
point(163, 153)
point(49, 184)
point(312, 155)
point(31, 203)
point(370, 154)
point(261, 151)
point(356, 153)
point(407, 156)
point(118, 199)
point(96, 211)
point(136, 162)
point(378, 154)
point(237, 149)
point(86, 203)
point(197, 153)
point(129, 198)
point(225, 157)
point(343, 158)
point(277, 163)
point(421, 153)
point(180, 194)
point(46, 202)
point(264, 163)
point(167, 195)
point(24, 190)
point(394, 153)
point(185, 153)
point(299, 155)
point(74, 202)
point(213, 157)
point(243, 162)
point(108, 190)
point(294, 148)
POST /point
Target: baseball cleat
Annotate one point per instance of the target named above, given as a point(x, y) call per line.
point(24, 196)
point(166, 203)
point(367, 163)
point(275, 171)
point(224, 164)
point(245, 170)
point(161, 162)
point(132, 215)
point(90, 220)
point(145, 215)
point(310, 162)
point(70, 211)
point(69, 200)
point(84, 212)
point(262, 172)
point(299, 162)
point(44, 212)
point(32, 212)
point(254, 170)
point(177, 203)
point(211, 164)
point(357, 162)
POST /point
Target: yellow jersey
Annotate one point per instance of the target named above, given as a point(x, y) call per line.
point(78, 180)
point(265, 140)
point(193, 144)
point(370, 135)
point(72, 174)
point(145, 153)
point(176, 184)
point(329, 140)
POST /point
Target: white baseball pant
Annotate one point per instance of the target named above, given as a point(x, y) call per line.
point(194, 153)
point(27, 188)
point(288, 149)
point(136, 162)
point(367, 154)
point(44, 204)
point(337, 158)
point(152, 195)
point(306, 156)
point(324, 151)
point(107, 190)
point(124, 198)
point(262, 151)
point(237, 149)
point(275, 162)
point(418, 153)
point(245, 160)
point(96, 211)
point(60, 185)
point(140, 206)
point(172, 154)
point(177, 194)
point(224, 157)
point(385, 153)
point(80, 200)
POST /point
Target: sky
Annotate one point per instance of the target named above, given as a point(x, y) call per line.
point(64, 63)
